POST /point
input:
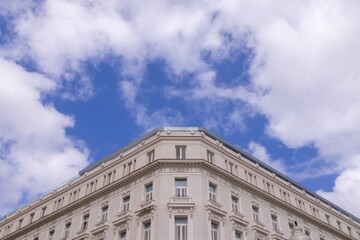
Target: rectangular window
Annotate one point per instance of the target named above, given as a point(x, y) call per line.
point(349, 230)
point(180, 187)
point(307, 232)
point(181, 224)
point(180, 152)
point(255, 212)
point(126, 203)
point(67, 230)
point(212, 192)
point(238, 235)
point(274, 222)
point(85, 222)
point(339, 225)
point(235, 204)
point(210, 157)
point(20, 223)
point(328, 219)
point(151, 156)
point(31, 217)
point(149, 192)
point(51, 234)
point(147, 231)
point(104, 213)
point(43, 211)
point(214, 231)
point(122, 235)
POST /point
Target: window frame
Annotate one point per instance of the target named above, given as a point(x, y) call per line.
point(180, 151)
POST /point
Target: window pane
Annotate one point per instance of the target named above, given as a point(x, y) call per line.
point(180, 182)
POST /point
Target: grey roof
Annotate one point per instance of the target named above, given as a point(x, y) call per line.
point(226, 144)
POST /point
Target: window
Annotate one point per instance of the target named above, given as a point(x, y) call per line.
point(20, 223)
point(126, 203)
point(180, 187)
point(147, 231)
point(235, 204)
point(231, 165)
point(181, 228)
point(328, 219)
point(85, 222)
point(149, 192)
point(212, 192)
point(214, 231)
point(339, 225)
point(151, 156)
point(255, 211)
point(180, 152)
point(122, 235)
point(67, 230)
point(274, 222)
point(43, 210)
point(31, 217)
point(307, 232)
point(104, 213)
point(51, 234)
point(238, 235)
point(210, 157)
point(349, 230)
point(36, 238)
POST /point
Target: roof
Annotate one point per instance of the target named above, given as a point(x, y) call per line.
point(226, 144)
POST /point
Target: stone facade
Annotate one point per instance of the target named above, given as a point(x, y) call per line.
point(178, 184)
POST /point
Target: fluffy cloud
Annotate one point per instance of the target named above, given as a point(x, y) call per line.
point(304, 73)
point(260, 152)
point(33, 142)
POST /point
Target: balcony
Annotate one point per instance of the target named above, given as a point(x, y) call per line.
point(181, 202)
point(145, 207)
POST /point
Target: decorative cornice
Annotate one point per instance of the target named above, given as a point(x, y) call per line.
point(161, 163)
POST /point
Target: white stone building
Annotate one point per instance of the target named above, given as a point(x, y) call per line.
point(179, 184)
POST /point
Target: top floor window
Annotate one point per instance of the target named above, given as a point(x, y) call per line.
point(151, 156)
point(43, 211)
point(210, 156)
point(149, 192)
point(180, 152)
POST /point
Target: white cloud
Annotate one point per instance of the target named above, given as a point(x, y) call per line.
point(148, 121)
point(260, 152)
point(33, 142)
point(304, 74)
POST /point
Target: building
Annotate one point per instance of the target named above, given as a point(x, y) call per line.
point(179, 184)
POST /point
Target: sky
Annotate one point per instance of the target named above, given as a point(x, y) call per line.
point(81, 78)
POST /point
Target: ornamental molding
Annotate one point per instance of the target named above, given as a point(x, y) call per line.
point(162, 166)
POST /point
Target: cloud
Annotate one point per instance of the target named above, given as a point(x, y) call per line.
point(33, 142)
point(260, 152)
point(303, 74)
point(346, 189)
point(148, 121)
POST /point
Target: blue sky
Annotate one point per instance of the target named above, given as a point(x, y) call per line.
point(80, 79)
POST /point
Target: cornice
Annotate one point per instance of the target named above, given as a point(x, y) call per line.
point(161, 163)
